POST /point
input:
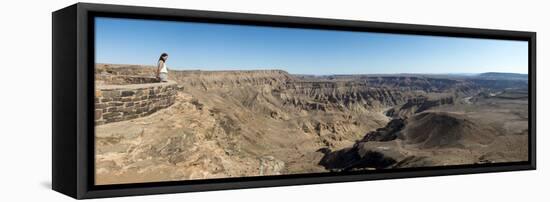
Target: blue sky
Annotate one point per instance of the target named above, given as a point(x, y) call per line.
point(299, 51)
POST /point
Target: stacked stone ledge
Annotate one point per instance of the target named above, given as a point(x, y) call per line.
point(124, 102)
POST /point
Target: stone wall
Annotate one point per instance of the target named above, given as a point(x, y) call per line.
point(124, 102)
point(106, 79)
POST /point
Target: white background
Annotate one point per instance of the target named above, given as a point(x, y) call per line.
point(25, 130)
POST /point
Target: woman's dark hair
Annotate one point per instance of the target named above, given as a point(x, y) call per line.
point(162, 56)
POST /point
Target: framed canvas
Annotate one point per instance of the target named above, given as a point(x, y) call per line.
point(157, 100)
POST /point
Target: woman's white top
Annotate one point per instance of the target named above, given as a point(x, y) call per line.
point(163, 69)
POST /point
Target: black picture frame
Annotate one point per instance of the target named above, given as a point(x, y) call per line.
point(73, 104)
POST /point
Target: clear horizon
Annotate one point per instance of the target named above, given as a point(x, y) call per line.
point(206, 46)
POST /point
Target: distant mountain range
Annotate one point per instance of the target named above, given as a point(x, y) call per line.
point(485, 76)
point(500, 75)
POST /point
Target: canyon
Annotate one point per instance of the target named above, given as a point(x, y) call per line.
point(268, 122)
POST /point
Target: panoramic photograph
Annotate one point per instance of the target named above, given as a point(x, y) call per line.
point(178, 101)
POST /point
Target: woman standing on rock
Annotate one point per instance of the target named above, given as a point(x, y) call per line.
point(162, 70)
